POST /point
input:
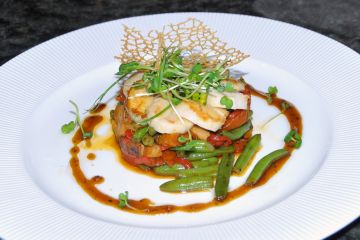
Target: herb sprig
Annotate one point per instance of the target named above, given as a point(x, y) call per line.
point(272, 91)
point(123, 199)
point(174, 81)
point(69, 127)
point(293, 138)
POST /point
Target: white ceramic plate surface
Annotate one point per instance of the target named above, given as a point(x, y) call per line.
point(315, 194)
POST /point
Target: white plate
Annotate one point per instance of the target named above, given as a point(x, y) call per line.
point(315, 194)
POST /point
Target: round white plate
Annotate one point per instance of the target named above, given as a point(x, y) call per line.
point(315, 194)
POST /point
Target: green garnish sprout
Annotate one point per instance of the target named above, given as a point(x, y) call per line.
point(272, 91)
point(293, 138)
point(123, 199)
point(174, 81)
point(69, 127)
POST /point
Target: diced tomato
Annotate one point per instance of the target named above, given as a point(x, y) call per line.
point(219, 140)
point(239, 145)
point(235, 119)
point(163, 148)
point(129, 134)
point(183, 161)
point(169, 157)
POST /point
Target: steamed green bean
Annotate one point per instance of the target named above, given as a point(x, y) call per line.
point(264, 163)
point(223, 176)
point(249, 151)
point(187, 184)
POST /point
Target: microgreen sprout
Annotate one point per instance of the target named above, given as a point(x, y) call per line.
point(78, 121)
point(272, 91)
point(123, 199)
point(229, 87)
point(293, 138)
point(69, 127)
point(182, 139)
point(174, 81)
point(227, 102)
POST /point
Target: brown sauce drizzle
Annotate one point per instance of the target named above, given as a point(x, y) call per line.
point(145, 206)
point(91, 156)
point(97, 179)
point(99, 108)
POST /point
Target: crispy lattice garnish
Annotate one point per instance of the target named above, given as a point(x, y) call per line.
point(196, 40)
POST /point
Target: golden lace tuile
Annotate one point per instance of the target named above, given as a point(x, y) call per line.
point(196, 40)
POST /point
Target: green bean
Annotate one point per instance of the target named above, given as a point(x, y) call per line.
point(195, 146)
point(216, 152)
point(264, 163)
point(188, 184)
point(166, 170)
point(249, 151)
point(238, 133)
point(201, 171)
point(205, 162)
point(223, 176)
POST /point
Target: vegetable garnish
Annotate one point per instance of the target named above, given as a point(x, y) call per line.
point(227, 102)
point(69, 127)
point(182, 139)
point(123, 199)
point(272, 91)
point(229, 87)
point(293, 139)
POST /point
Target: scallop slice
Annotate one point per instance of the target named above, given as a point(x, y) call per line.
point(167, 122)
point(210, 118)
point(137, 104)
point(128, 83)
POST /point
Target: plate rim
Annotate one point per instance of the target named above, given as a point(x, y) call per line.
point(13, 61)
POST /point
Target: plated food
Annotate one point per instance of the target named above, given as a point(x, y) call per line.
point(180, 113)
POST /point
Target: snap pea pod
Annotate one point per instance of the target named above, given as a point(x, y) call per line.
point(249, 151)
point(195, 146)
point(223, 176)
point(166, 170)
point(201, 171)
point(264, 163)
point(207, 167)
point(205, 162)
point(216, 152)
point(188, 184)
point(238, 133)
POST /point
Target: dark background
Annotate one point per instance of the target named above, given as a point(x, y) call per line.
point(24, 24)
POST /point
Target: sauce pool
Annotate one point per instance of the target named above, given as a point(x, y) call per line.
point(146, 206)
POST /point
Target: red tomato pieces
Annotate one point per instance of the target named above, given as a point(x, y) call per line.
point(219, 140)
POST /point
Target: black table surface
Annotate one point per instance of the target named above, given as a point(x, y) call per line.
point(26, 23)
